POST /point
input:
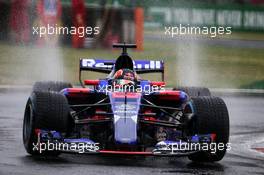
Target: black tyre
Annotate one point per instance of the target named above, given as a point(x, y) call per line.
point(44, 110)
point(211, 116)
point(55, 86)
point(194, 91)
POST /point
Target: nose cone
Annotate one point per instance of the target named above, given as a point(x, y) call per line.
point(125, 129)
point(125, 107)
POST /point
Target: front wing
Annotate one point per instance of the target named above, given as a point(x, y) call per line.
point(54, 141)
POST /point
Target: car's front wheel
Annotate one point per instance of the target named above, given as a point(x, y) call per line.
point(44, 110)
point(210, 117)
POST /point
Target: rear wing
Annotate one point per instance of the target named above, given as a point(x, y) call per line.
point(106, 66)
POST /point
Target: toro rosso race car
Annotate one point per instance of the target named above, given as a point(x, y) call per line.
point(124, 114)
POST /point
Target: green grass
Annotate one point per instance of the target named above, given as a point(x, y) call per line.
point(202, 65)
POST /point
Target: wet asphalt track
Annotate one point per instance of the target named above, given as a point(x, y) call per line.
point(247, 129)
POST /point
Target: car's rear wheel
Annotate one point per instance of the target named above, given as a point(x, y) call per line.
point(44, 110)
point(55, 86)
point(210, 117)
point(194, 91)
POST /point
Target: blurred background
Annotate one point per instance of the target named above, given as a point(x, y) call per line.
point(226, 61)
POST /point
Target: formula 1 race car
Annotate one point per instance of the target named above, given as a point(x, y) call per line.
point(124, 114)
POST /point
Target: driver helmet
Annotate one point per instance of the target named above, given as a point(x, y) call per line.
point(124, 77)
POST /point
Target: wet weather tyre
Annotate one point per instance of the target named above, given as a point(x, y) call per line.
point(211, 117)
point(55, 86)
point(44, 110)
point(194, 91)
